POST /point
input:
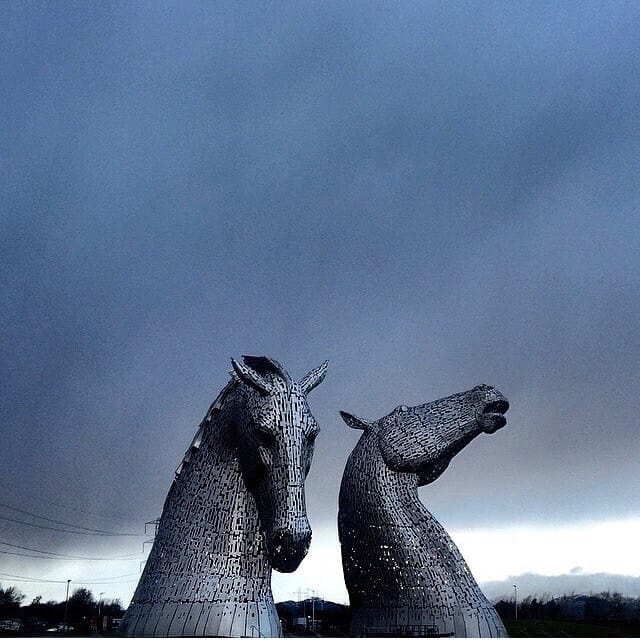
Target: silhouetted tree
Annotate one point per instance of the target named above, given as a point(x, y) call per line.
point(82, 606)
point(82, 598)
point(505, 609)
point(10, 601)
point(112, 608)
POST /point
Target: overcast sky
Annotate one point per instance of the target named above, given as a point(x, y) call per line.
point(430, 195)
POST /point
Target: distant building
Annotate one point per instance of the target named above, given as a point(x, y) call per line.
point(11, 625)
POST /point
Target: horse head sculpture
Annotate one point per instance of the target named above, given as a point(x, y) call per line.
point(276, 435)
point(424, 439)
point(403, 572)
point(235, 510)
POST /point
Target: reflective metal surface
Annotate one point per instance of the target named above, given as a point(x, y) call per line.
point(404, 574)
point(235, 510)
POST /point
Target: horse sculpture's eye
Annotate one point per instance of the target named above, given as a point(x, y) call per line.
point(265, 438)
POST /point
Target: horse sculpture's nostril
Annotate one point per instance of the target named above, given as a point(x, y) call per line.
point(491, 417)
point(496, 406)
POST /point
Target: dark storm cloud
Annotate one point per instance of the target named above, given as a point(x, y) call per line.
point(432, 196)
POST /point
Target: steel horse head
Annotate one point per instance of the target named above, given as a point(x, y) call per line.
point(404, 574)
point(275, 439)
point(235, 510)
point(424, 439)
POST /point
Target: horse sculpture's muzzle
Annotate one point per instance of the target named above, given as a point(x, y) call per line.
point(491, 417)
point(288, 547)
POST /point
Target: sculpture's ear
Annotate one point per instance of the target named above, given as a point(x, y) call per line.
point(251, 377)
point(354, 422)
point(314, 377)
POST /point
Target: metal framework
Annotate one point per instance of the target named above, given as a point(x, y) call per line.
point(404, 574)
point(235, 510)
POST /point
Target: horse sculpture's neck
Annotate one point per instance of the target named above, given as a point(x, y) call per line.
point(208, 572)
point(402, 569)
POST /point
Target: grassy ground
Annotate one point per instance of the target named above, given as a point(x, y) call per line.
point(553, 629)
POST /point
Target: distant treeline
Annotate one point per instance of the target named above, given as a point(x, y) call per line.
point(600, 608)
point(604, 608)
point(313, 616)
point(84, 613)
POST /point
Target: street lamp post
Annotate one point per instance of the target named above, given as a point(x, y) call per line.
point(515, 601)
point(66, 608)
point(98, 620)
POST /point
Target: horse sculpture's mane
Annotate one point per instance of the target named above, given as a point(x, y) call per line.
point(230, 387)
point(263, 366)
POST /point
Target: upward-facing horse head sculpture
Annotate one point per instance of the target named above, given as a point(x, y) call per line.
point(235, 510)
point(403, 572)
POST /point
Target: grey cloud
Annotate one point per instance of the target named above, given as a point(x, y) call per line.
point(430, 196)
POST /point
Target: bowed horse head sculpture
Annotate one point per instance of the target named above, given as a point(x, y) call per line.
point(235, 510)
point(404, 574)
point(276, 435)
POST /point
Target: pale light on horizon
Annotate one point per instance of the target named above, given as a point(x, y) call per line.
point(492, 554)
point(496, 553)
